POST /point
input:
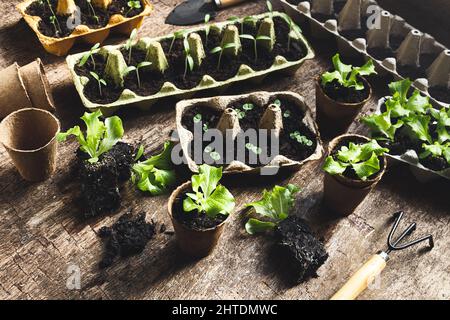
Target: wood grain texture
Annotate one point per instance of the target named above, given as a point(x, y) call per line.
point(42, 235)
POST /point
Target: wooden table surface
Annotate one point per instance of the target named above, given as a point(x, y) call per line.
point(43, 239)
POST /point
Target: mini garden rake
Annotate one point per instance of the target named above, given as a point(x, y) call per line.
point(373, 267)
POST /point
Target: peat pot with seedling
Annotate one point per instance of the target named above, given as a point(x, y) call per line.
point(341, 94)
point(199, 210)
point(353, 167)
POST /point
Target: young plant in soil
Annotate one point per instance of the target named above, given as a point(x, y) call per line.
point(89, 2)
point(292, 27)
point(100, 82)
point(220, 50)
point(104, 162)
point(269, 8)
point(255, 41)
point(89, 55)
point(208, 198)
point(207, 28)
point(136, 69)
point(132, 5)
point(245, 108)
point(130, 43)
point(301, 251)
point(177, 35)
point(356, 161)
point(155, 174)
point(303, 140)
point(188, 60)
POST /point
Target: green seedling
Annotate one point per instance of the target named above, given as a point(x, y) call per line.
point(269, 8)
point(382, 126)
point(245, 107)
point(132, 5)
point(361, 158)
point(89, 55)
point(130, 43)
point(347, 75)
point(436, 150)
point(208, 196)
point(177, 35)
point(255, 40)
point(100, 136)
point(255, 149)
point(297, 136)
point(220, 50)
point(443, 123)
point(188, 60)
point(156, 174)
point(137, 68)
point(53, 18)
point(292, 27)
point(274, 207)
point(101, 82)
point(213, 154)
point(207, 28)
point(91, 7)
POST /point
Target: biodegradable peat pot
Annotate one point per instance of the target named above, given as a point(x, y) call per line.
point(29, 137)
point(343, 194)
point(13, 94)
point(195, 243)
point(335, 117)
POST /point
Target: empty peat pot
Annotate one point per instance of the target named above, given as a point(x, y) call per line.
point(29, 137)
point(195, 243)
point(343, 194)
point(334, 117)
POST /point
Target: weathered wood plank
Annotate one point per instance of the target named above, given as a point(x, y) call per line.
point(42, 235)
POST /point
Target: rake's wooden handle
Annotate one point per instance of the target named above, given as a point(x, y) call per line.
point(361, 279)
point(227, 3)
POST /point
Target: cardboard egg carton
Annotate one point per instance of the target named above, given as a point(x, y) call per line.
point(271, 120)
point(413, 44)
point(116, 63)
point(61, 46)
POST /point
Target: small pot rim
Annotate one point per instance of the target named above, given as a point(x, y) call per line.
point(33, 110)
point(171, 202)
point(347, 104)
point(332, 144)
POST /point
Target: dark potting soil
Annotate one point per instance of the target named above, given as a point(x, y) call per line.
point(381, 53)
point(100, 181)
point(41, 9)
point(411, 72)
point(303, 252)
point(209, 116)
point(395, 40)
point(335, 91)
point(127, 237)
point(194, 220)
point(440, 93)
point(349, 172)
point(356, 33)
point(151, 82)
point(249, 119)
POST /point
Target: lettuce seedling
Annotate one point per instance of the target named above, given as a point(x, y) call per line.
point(418, 124)
point(132, 5)
point(129, 44)
point(188, 60)
point(436, 150)
point(246, 107)
point(100, 82)
point(255, 40)
point(154, 175)
point(382, 125)
point(347, 75)
point(220, 50)
point(89, 54)
point(100, 136)
point(208, 196)
point(362, 158)
point(292, 27)
point(274, 207)
point(443, 122)
point(297, 136)
point(137, 68)
point(403, 106)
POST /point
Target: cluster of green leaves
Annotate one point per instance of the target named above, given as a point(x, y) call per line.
point(100, 136)
point(241, 113)
point(154, 175)
point(297, 136)
point(100, 81)
point(133, 5)
point(347, 75)
point(274, 207)
point(89, 54)
point(208, 196)
point(413, 114)
point(130, 43)
point(362, 158)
